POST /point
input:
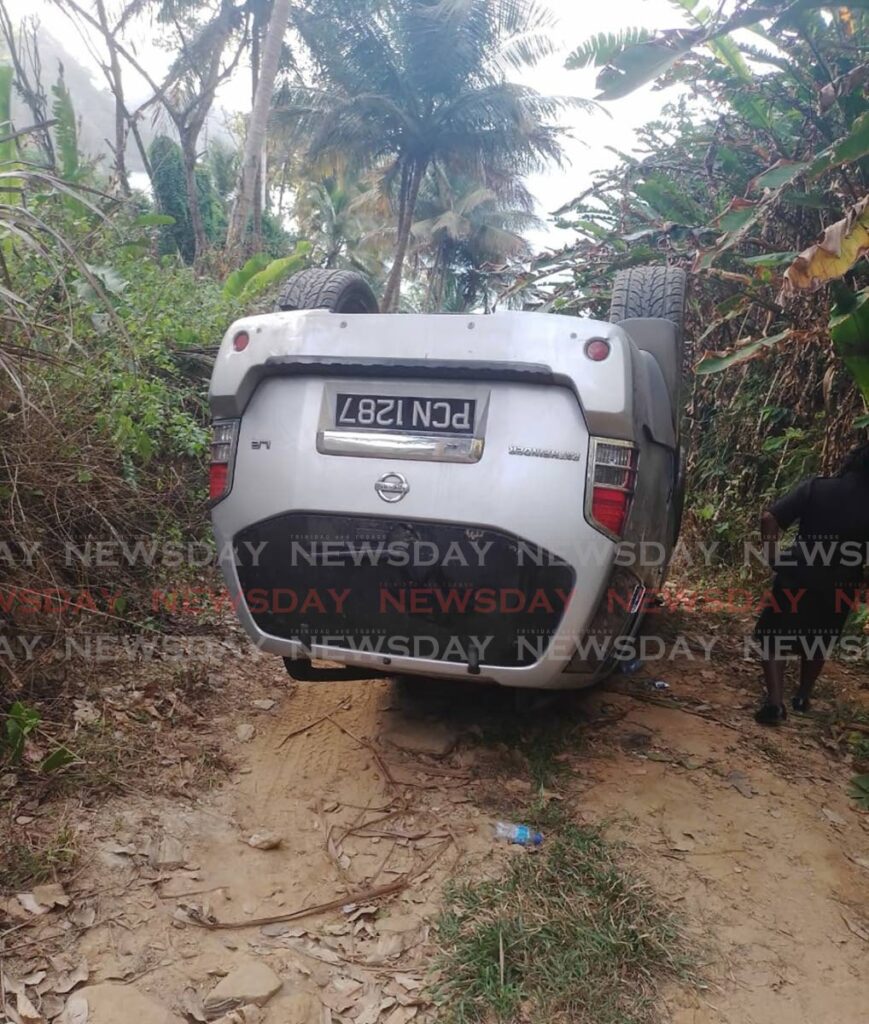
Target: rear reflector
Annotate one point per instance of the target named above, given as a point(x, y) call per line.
point(611, 484)
point(597, 350)
point(224, 438)
point(241, 341)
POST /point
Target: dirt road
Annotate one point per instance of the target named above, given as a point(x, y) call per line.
point(748, 834)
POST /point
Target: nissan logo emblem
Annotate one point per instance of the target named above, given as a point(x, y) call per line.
point(392, 487)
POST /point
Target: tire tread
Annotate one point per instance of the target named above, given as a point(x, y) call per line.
point(318, 288)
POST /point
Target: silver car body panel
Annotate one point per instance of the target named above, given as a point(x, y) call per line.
point(539, 400)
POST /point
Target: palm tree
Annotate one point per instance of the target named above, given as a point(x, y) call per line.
point(255, 139)
point(330, 216)
point(403, 86)
point(466, 231)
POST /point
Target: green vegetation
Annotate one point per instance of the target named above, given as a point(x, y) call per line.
point(565, 934)
point(765, 142)
point(32, 862)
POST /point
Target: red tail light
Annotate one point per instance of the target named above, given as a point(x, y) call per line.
point(218, 478)
point(224, 439)
point(609, 507)
point(612, 477)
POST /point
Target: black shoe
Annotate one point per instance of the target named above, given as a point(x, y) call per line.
point(771, 714)
point(801, 704)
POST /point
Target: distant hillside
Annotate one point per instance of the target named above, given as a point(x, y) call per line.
point(95, 107)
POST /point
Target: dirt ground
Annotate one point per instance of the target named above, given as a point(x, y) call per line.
point(748, 833)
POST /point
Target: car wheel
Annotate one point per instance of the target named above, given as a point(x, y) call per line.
point(339, 291)
point(649, 292)
point(657, 292)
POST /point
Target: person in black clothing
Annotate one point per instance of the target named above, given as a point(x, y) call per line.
point(816, 578)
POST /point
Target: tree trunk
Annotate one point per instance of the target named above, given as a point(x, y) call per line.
point(188, 151)
point(256, 129)
point(116, 83)
point(255, 56)
point(406, 210)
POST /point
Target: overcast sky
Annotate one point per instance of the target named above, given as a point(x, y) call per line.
point(578, 20)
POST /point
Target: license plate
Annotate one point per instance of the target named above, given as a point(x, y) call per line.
point(405, 413)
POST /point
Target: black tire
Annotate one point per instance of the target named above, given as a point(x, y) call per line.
point(649, 292)
point(339, 291)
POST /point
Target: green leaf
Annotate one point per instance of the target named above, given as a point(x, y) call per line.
point(669, 201)
point(781, 173)
point(276, 271)
point(860, 422)
point(859, 790)
point(235, 283)
point(644, 62)
point(809, 200)
point(20, 722)
point(135, 248)
point(8, 151)
point(770, 259)
point(108, 277)
point(854, 146)
point(733, 220)
point(849, 329)
point(65, 130)
point(602, 47)
point(153, 220)
point(717, 363)
point(57, 759)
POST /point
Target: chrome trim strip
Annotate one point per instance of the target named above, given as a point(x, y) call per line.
point(385, 445)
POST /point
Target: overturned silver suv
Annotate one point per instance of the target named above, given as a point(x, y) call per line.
point(484, 496)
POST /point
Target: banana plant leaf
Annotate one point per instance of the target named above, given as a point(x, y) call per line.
point(840, 247)
point(850, 333)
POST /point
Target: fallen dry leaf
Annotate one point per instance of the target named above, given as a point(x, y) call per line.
point(739, 781)
point(833, 816)
point(75, 1011)
point(83, 916)
point(30, 903)
point(27, 1012)
point(68, 980)
point(51, 895)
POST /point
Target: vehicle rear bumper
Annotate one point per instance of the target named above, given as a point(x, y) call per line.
point(490, 607)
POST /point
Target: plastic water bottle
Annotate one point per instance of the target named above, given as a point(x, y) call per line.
point(628, 668)
point(522, 835)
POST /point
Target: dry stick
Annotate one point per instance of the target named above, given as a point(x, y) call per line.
point(362, 896)
point(384, 767)
point(673, 706)
point(355, 829)
point(310, 725)
point(33, 942)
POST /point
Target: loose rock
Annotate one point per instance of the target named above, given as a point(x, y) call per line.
point(422, 737)
point(250, 982)
point(245, 732)
point(265, 840)
point(111, 1003)
point(166, 852)
point(298, 1008)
